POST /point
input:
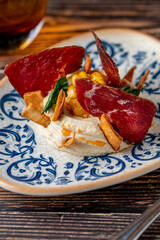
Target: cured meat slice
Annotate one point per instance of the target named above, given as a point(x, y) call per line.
point(40, 71)
point(108, 64)
point(130, 115)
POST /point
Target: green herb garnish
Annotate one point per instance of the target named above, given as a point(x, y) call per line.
point(135, 91)
point(81, 63)
point(62, 83)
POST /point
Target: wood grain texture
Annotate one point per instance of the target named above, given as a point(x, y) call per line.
point(133, 196)
point(54, 225)
point(101, 213)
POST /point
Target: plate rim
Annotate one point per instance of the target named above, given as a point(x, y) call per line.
point(79, 188)
point(108, 30)
point(91, 185)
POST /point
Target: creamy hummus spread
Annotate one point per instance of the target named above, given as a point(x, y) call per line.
point(89, 139)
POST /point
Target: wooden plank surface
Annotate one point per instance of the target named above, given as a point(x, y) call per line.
point(93, 215)
point(47, 225)
point(97, 214)
point(131, 197)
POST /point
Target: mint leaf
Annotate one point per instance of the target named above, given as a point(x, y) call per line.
point(81, 63)
point(62, 83)
point(135, 91)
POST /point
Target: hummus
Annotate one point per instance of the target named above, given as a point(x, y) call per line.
point(89, 138)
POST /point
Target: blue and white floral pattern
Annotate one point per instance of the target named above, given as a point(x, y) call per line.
point(148, 149)
point(9, 107)
point(24, 159)
point(16, 140)
point(92, 168)
point(33, 170)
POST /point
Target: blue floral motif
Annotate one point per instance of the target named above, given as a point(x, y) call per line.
point(8, 105)
point(158, 111)
point(145, 150)
point(92, 168)
point(1, 116)
point(16, 141)
point(139, 57)
point(63, 180)
point(69, 165)
point(3, 161)
point(133, 163)
point(33, 170)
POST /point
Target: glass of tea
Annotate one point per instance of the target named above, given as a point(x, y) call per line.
point(20, 22)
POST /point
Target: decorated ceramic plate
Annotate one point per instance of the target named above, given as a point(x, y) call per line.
point(28, 165)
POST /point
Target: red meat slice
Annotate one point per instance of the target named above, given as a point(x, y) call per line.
point(130, 115)
point(40, 71)
point(108, 64)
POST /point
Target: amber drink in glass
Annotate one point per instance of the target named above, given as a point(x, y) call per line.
point(20, 22)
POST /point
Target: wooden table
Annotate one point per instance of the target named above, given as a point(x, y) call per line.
point(102, 213)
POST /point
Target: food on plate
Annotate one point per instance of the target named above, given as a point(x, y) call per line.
point(112, 136)
point(40, 71)
point(59, 106)
point(68, 141)
point(129, 114)
point(82, 111)
point(108, 64)
point(34, 104)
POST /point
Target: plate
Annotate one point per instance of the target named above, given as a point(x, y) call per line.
point(28, 165)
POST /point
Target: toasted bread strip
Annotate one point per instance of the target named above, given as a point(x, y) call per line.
point(143, 79)
point(125, 83)
point(34, 114)
point(77, 109)
point(68, 142)
point(36, 98)
point(87, 65)
point(129, 75)
point(127, 79)
point(112, 136)
point(59, 106)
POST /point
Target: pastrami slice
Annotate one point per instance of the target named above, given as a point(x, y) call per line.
point(108, 64)
point(130, 115)
point(40, 71)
